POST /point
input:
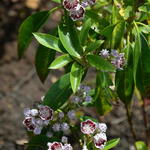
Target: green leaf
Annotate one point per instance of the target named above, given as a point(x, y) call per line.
point(116, 17)
point(102, 104)
point(48, 41)
point(111, 144)
point(44, 57)
point(59, 92)
point(93, 46)
point(57, 1)
point(107, 31)
point(84, 31)
point(32, 24)
point(76, 76)
point(100, 63)
point(117, 34)
point(69, 39)
point(61, 61)
point(102, 95)
point(140, 145)
point(141, 61)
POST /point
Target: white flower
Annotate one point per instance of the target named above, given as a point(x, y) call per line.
point(102, 127)
point(64, 139)
point(61, 115)
point(27, 112)
point(65, 126)
point(70, 4)
point(104, 53)
point(45, 113)
point(55, 146)
point(67, 147)
point(34, 112)
point(29, 122)
point(76, 99)
point(88, 98)
point(71, 114)
point(88, 127)
point(37, 130)
point(49, 134)
point(85, 147)
point(100, 140)
point(77, 13)
point(56, 127)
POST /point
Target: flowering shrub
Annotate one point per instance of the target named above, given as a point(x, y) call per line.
point(110, 36)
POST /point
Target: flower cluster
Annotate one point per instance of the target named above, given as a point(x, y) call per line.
point(117, 59)
point(60, 146)
point(36, 119)
point(98, 130)
point(82, 95)
point(76, 9)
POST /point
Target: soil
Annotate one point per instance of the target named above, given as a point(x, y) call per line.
point(20, 87)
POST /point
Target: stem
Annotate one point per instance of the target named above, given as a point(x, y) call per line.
point(129, 117)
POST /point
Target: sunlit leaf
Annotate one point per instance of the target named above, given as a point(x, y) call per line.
point(76, 76)
point(61, 61)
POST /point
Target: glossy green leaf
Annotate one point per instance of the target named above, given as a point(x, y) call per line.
point(60, 62)
point(140, 145)
point(32, 24)
point(93, 46)
point(84, 31)
point(44, 57)
point(59, 92)
point(100, 63)
point(140, 58)
point(117, 34)
point(111, 144)
point(76, 76)
point(69, 39)
point(49, 41)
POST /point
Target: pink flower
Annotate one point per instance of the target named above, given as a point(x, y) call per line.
point(55, 146)
point(29, 123)
point(45, 113)
point(100, 140)
point(70, 4)
point(88, 126)
point(77, 13)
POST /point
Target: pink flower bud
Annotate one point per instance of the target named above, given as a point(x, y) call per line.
point(45, 113)
point(100, 140)
point(55, 146)
point(77, 13)
point(70, 4)
point(29, 123)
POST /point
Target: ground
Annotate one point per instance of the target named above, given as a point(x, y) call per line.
point(20, 87)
